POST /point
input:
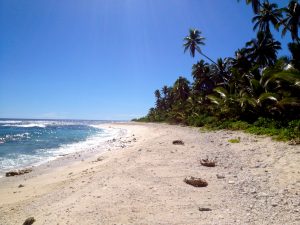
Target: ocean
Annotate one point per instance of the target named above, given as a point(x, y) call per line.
point(32, 142)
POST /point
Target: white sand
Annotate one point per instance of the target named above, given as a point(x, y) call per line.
point(140, 181)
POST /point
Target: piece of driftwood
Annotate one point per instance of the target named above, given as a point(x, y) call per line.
point(196, 182)
point(178, 142)
point(207, 162)
point(17, 172)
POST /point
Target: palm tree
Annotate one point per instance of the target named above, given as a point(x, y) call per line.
point(291, 21)
point(192, 43)
point(268, 14)
point(241, 62)
point(167, 97)
point(158, 99)
point(200, 69)
point(203, 79)
point(221, 70)
point(181, 89)
point(295, 50)
point(263, 49)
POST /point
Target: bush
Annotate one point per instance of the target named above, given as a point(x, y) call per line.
point(238, 140)
point(238, 125)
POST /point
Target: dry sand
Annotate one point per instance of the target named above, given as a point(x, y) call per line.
point(139, 180)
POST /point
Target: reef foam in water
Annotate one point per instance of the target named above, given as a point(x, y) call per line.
point(32, 142)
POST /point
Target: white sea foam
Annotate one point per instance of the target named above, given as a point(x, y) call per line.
point(41, 123)
point(92, 143)
point(26, 125)
point(10, 121)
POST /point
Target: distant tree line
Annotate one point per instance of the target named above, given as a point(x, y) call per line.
point(253, 87)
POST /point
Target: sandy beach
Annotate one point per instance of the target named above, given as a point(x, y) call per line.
point(139, 179)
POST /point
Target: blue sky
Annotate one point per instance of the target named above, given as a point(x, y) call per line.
point(103, 59)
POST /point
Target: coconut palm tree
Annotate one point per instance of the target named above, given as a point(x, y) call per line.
point(203, 78)
point(200, 69)
point(181, 89)
point(295, 50)
point(158, 99)
point(269, 13)
point(263, 49)
point(221, 71)
point(291, 21)
point(167, 97)
point(241, 62)
point(192, 43)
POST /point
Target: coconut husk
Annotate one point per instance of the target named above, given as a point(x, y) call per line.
point(207, 162)
point(196, 182)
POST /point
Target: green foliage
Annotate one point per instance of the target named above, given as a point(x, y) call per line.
point(238, 140)
point(254, 91)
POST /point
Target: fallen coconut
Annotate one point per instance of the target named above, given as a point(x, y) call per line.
point(196, 182)
point(29, 221)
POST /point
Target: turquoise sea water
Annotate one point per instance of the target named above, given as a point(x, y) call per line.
point(29, 142)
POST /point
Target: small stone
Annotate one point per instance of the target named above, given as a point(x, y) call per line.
point(178, 142)
point(21, 185)
point(262, 194)
point(100, 159)
point(29, 221)
point(204, 209)
point(231, 182)
point(220, 176)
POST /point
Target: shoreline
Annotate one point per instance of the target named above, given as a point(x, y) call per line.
point(68, 151)
point(140, 181)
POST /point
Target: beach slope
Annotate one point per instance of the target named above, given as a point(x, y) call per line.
point(140, 180)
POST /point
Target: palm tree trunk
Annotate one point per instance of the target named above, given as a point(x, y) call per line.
point(209, 59)
point(224, 81)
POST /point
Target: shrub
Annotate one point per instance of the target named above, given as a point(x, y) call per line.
point(238, 140)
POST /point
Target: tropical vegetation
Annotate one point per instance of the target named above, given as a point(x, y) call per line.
point(255, 90)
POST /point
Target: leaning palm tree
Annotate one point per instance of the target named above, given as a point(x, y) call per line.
point(269, 13)
point(263, 49)
point(192, 43)
point(291, 21)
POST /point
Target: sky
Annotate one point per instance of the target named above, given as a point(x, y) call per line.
point(103, 59)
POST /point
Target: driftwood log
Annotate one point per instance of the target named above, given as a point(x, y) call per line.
point(17, 172)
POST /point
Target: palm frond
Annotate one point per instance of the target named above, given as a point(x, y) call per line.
point(267, 96)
